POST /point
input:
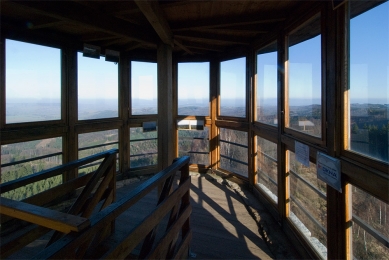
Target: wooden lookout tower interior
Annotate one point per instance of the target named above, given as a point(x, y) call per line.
point(287, 99)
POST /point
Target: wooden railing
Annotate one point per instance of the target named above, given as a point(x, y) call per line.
point(88, 243)
point(99, 186)
point(82, 231)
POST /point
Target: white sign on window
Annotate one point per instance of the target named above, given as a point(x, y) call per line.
point(328, 170)
point(302, 153)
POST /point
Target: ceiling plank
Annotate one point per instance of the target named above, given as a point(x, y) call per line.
point(218, 22)
point(78, 14)
point(156, 18)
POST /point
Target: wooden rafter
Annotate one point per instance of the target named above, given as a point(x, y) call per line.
point(182, 46)
point(156, 18)
point(46, 25)
point(221, 22)
point(80, 15)
point(204, 36)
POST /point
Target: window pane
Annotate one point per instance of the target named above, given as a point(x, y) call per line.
point(97, 88)
point(18, 152)
point(195, 144)
point(143, 147)
point(94, 143)
point(33, 82)
point(304, 78)
point(267, 85)
point(193, 89)
point(233, 88)
point(308, 207)
point(144, 92)
point(369, 81)
point(267, 167)
point(371, 212)
point(233, 151)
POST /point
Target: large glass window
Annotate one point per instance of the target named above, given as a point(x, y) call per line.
point(267, 167)
point(370, 226)
point(369, 80)
point(33, 82)
point(308, 204)
point(144, 91)
point(304, 78)
point(143, 147)
point(233, 151)
point(97, 88)
point(267, 85)
point(233, 88)
point(22, 159)
point(93, 143)
point(195, 144)
point(193, 89)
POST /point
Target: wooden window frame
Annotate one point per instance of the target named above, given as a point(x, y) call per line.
point(321, 141)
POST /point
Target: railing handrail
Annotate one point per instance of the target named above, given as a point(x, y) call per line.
point(232, 159)
point(308, 214)
point(97, 145)
point(111, 212)
point(268, 156)
point(371, 230)
point(144, 139)
point(316, 190)
point(228, 142)
point(31, 159)
point(11, 185)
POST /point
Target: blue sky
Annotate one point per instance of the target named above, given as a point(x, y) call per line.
point(369, 55)
point(28, 64)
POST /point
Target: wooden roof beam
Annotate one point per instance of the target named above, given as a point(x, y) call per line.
point(78, 14)
point(182, 46)
point(230, 39)
point(154, 15)
point(225, 22)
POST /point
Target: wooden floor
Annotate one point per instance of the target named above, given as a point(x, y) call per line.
point(222, 226)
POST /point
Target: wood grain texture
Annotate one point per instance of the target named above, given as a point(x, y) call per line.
point(42, 216)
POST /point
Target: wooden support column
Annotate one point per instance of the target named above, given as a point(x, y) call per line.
point(124, 112)
point(250, 99)
point(339, 213)
point(2, 90)
point(69, 89)
point(2, 84)
point(214, 104)
point(283, 163)
point(166, 124)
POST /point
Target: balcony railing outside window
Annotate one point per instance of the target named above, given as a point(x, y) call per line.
point(233, 151)
point(22, 159)
point(267, 167)
point(308, 207)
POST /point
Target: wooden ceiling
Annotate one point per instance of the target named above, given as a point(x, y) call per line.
point(193, 28)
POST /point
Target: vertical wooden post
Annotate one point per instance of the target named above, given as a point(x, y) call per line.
point(251, 104)
point(69, 89)
point(282, 164)
point(2, 90)
point(339, 215)
point(175, 103)
point(124, 112)
point(2, 83)
point(166, 126)
point(214, 104)
point(254, 117)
